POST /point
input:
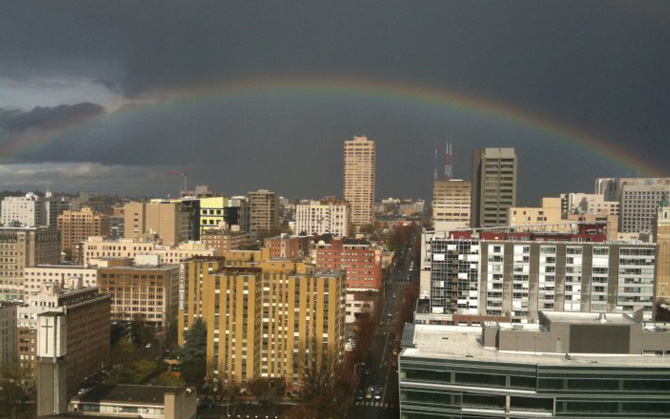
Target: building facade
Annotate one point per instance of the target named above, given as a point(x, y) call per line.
point(520, 274)
point(361, 260)
point(36, 276)
point(166, 219)
point(97, 248)
point(548, 213)
point(264, 317)
point(322, 217)
point(8, 332)
point(639, 206)
point(77, 226)
point(287, 247)
point(494, 178)
point(359, 179)
point(148, 293)
point(577, 365)
point(451, 203)
point(23, 211)
point(21, 248)
point(585, 203)
point(264, 212)
point(87, 317)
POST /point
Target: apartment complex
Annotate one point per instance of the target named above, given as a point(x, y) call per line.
point(578, 365)
point(360, 259)
point(86, 313)
point(322, 217)
point(264, 318)
point(451, 203)
point(264, 212)
point(639, 206)
point(36, 276)
point(359, 179)
point(520, 274)
point(8, 332)
point(146, 291)
point(166, 219)
point(21, 248)
point(97, 248)
point(494, 177)
point(23, 211)
point(77, 226)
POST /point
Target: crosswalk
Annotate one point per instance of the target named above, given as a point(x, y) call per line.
point(373, 403)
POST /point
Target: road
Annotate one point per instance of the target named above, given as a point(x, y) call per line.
point(378, 363)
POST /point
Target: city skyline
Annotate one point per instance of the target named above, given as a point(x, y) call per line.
point(238, 93)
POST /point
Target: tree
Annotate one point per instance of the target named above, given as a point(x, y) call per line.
point(169, 379)
point(323, 389)
point(194, 353)
point(17, 392)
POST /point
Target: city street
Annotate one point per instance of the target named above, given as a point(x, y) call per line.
point(378, 366)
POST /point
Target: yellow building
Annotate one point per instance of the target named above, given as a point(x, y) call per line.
point(263, 316)
point(212, 212)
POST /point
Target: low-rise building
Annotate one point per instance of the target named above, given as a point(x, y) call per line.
point(287, 247)
point(223, 240)
point(586, 365)
point(125, 401)
point(360, 259)
point(36, 276)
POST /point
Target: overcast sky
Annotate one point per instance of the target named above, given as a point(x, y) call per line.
point(92, 93)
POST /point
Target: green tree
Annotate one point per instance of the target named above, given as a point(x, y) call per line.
point(17, 392)
point(194, 353)
point(169, 379)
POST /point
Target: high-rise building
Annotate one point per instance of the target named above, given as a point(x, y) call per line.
point(23, 211)
point(53, 207)
point(163, 218)
point(23, 247)
point(451, 203)
point(494, 177)
point(639, 205)
point(77, 226)
point(263, 317)
point(87, 327)
point(567, 365)
point(147, 291)
point(8, 332)
point(322, 217)
point(518, 274)
point(359, 179)
point(264, 212)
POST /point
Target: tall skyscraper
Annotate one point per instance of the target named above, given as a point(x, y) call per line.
point(359, 179)
point(493, 186)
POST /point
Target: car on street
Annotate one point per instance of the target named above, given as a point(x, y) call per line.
point(360, 395)
point(369, 393)
point(378, 393)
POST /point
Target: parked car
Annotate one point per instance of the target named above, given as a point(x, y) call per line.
point(369, 393)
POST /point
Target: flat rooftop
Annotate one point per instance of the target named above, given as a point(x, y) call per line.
point(588, 318)
point(128, 393)
point(463, 342)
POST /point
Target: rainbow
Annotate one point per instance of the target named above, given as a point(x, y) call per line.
point(408, 94)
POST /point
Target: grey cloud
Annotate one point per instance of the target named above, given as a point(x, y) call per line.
point(41, 118)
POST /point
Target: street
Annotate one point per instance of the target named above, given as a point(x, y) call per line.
point(379, 363)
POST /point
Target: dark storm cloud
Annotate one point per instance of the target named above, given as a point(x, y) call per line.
point(597, 66)
point(42, 118)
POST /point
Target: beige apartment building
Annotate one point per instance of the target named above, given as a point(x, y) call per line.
point(147, 291)
point(98, 248)
point(611, 220)
point(264, 212)
point(548, 213)
point(77, 226)
point(494, 177)
point(451, 203)
point(36, 276)
point(359, 179)
point(21, 247)
point(662, 236)
point(263, 316)
point(327, 216)
point(587, 203)
point(163, 218)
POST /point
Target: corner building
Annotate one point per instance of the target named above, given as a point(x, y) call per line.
point(263, 316)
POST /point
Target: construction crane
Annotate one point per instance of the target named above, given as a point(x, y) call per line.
point(183, 175)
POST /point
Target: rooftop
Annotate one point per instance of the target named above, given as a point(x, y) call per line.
point(465, 342)
point(128, 393)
